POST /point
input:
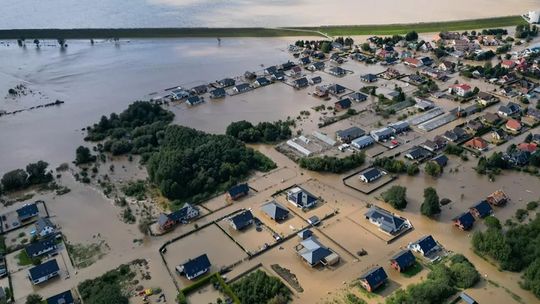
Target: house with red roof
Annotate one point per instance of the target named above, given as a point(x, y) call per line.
point(513, 125)
point(477, 143)
point(461, 89)
point(508, 64)
point(528, 147)
point(413, 62)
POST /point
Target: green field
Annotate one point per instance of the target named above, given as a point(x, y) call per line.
point(381, 29)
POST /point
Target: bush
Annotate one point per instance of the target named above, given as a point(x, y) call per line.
point(532, 205)
point(258, 287)
point(83, 156)
point(332, 164)
point(492, 222)
point(396, 197)
point(433, 169)
point(431, 205)
point(135, 189)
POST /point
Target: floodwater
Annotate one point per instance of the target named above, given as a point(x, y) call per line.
point(246, 13)
point(104, 78)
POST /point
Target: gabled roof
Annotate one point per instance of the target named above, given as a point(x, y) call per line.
point(336, 88)
point(37, 248)
point(388, 222)
point(62, 298)
point(359, 96)
point(242, 219)
point(466, 220)
point(242, 87)
point(301, 82)
point(275, 210)
point(193, 266)
point(371, 173)
point(483, 208)
point(313, 252)
point(344, 103)
point(301, 197)
point(350, 133)
point(181, 214)
point(304, 234)
point(426, 243)
point(441, 160)
point(404, 259)
point(27, 211)
point(238, 189)
point(44, 269)
point(227, 82)
point(375, 276)
point(263, 81)
point(219, 92)
point(43, 223)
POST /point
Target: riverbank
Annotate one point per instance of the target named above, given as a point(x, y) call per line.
point(374, 29)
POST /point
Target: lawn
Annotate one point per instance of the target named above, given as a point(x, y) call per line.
point(413, 270)
point(23, 258)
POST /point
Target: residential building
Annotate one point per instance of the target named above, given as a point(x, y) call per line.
point(403, 260)
point(382, 134)
point(305, 234)
point(342, 104)
point(477, 143)
point(337, 71)
point(481, 209)
point(316, 66)
point(358, 96)
point(275, 211)
point(387, 222)
point(447, 66)
point(227, 82)
point(509, 109)
point(497, 198)
point(261, 82)
point(44, 272)
point(513, 126)
point(201, 89)
point(347, 135)
point(417, 153)
point(241, 220)
point(425, 246)
point(508, 64)
point(371, 175)
point(182, 215)
point(490, 119)
point(413, 62)
point(62, 298)
point(301, 198)
point(41, 247)
point(362, 142)
point(498, 135)
point(464, 221)
point(528, 147)
point(486, 99)
point(399, 126)
point(441, 160)
point(296, 71)
point(315, 80)
point(44, 227)
point(336, 89)
point(179, 93)
point(455, 135)
point(238, 191)
point(369, 78)
point(241, 88)
point(27, 212)
point(194, 268)
point(218, 93)
point(194, 100)
point(314, 253)
point(373, 279)
point(460, 89)
point(304, 61)
point(300, 83)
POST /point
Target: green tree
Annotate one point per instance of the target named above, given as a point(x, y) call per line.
point(396, 196)
point(83, 156)
point(431, 205)
point(37, 173)
point(492, 222)
point(14, 180)
point(326, 47)
point(433, 169)
point(34, 299)
point(411, 36)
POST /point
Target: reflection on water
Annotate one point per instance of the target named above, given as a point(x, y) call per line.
point(235, 13)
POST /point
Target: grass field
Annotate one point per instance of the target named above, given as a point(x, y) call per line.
point(349, 30)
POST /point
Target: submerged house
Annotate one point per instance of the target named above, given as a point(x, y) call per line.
point(465, 221)
point(275, 211)
point(497, 198)
point(371, 175)
point(301, 198)
point(182, 215)
point(62, 298)
point(314, 253)
point(41, 247)
point(44, 272)
point(194, 268)
point(238, 191)
point(373, 279)
point(241, 220)
point(481, 209)
point(227, 82)
point(387, 222)
point(241, 88)
point(425, 246)
point(194, 100)
point(300, 83)
point(342, 104)
point(403, 260)
point(27, 212)
point(349, 134)
point(218, 93)
point(44, 227)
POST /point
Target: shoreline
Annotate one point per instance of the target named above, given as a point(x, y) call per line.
point(323, 31)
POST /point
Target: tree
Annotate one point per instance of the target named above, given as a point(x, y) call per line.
point(431, 205)
point(492, 222)
point(433, 169)
point(412, 169)
point(258, 287)
point(83, 156)
point(326, 47)
point(411, 36)
point(396, 197)
point(14, 180)
point(34, 299)
point(365, 47)
point(37, 173)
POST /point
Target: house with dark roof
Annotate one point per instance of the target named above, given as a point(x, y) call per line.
point(373, 279)
point(194, 100)
point(241, 88)
point(371, 175)
point(304, 61)
point(301, 198)
point(358, 96)
point(275, 211)
point(315, 80)
point(481, 209)
point(349, 134)
point(270, 70)
point(337, 71)
point(417, 153)
point(44, 272)
point(300, 83)
point(509, 109)
point(369, 78)
point(305, 234)
point(65, 297)
point(342, 104)
point(455, 134)
point(399, 126)
point(440, 160)
point(261, 82)
point(179, 93)
point(387, 222)
point(194, 268)
point(241, 220)
point(27, 212)
point(336, 89)
point(425, 246)
point(44, 227)
point(490, 119)
point(382, 133)
point(464, 221)
point(238, 191)
point(41, 247)
point(278, 75)
point(218, 93)
point(227, 82)
point(314, 253)
point(403, 260)
point(201, 89)
point(182, 215)
point(316, 66)
point(362, 142)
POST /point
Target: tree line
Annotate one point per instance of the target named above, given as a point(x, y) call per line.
point(19, 179)
point(263, 132)
point(331, 163)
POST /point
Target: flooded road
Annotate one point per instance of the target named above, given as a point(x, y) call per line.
point(247, 13)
